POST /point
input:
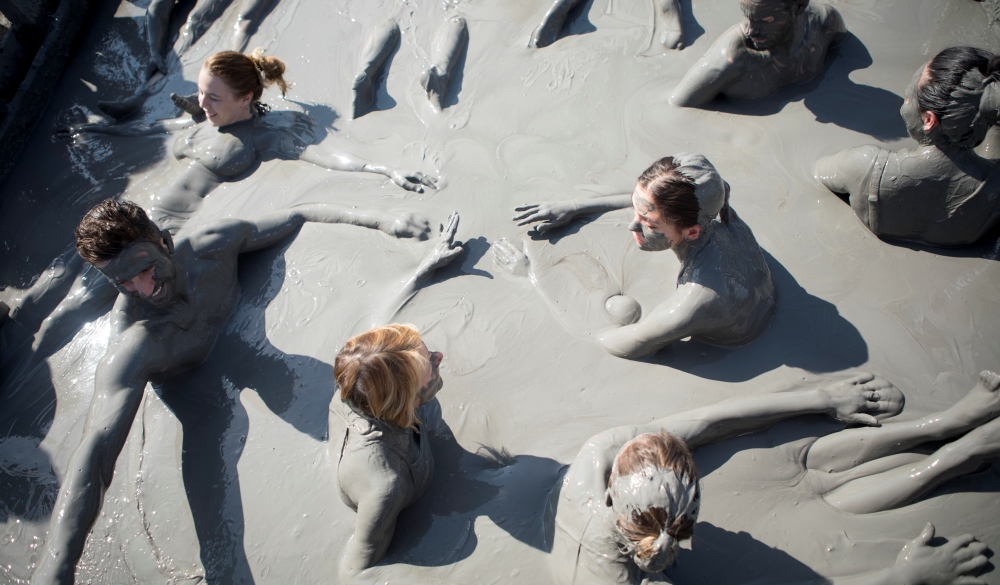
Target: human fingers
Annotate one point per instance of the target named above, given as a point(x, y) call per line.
point(528, 216)
point(526, 207)
point(973, 565)
point(926, 535)
point(426, 180)
point(862, 378)
point(959, 542)
point(448, 231)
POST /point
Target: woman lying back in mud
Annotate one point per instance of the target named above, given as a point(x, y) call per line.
point(943, 192)
point(724, 290)
point(632, 494)
point(234, 135)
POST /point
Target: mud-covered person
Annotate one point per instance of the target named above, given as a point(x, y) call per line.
point(385, 377)
point(943, 192)
point(779, 43)
point(174, 295)
point(725, 294)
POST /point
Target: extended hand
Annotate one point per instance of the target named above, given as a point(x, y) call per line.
point(552, 214)
point(444, 252)
point(415, 181)
point(407, 225)
point(956, 562)
point(509, 256)
point(864, 399)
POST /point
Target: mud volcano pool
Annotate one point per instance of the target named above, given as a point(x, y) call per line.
point(255, 499)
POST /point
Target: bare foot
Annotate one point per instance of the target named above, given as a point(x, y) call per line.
point(188, 103)
point(435, 84)
point(982, 403)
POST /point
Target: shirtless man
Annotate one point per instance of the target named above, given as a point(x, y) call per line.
point(780, 43)
point(174, 297)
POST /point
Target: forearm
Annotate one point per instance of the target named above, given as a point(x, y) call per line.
point(602, 204)
point(742, 415)
point(339, 162)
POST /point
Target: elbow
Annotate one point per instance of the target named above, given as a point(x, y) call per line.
point(683, 99)
point(628, 349)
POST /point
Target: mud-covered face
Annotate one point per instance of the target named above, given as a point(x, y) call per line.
point(910, 110)
point(431, 382)
point(651, 232)
point(768, 24)
point(144, 271)
point(222, 106)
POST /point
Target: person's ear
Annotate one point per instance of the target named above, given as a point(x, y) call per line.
point(245, 100)
point(692, 233)
point(167, 241)
point(930, 120)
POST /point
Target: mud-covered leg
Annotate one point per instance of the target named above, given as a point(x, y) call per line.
point(380, 45)
point(548, 30)
point(251, 13)
point(449, 42)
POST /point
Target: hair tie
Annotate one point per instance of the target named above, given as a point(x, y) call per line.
point(666, 553)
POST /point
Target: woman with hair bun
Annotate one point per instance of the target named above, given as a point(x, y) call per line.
point(237, 136)
point(631, 496)
point(943, 192)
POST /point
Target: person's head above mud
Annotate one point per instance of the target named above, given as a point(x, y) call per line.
point(653, 490)
point(953, 99)
point(675, 200)
point(231, 83)
point(778, 43)
point(120, 240)
point(387, 373)
point(770, 24)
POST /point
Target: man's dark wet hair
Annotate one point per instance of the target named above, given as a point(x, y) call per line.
point(952, 88)
point(110, 227)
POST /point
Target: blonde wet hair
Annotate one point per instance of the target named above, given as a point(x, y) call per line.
point(655, 530)
point(379, 372)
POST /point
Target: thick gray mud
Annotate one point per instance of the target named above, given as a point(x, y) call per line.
point(247, 492)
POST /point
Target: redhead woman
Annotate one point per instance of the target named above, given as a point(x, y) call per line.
point(235, 134)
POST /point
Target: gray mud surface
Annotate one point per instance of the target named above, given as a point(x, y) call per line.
point(523, 390)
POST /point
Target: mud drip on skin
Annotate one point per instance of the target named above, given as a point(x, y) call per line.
point(581, 115)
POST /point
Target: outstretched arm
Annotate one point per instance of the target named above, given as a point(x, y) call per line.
point(267, 230)
point(553, 214)
point(675, 318)
point(411, 181)
point(119, 383)
point(712, 74)
point(862, 399)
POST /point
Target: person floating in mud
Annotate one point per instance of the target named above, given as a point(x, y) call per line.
point(724, 294)
point(632, 493)
point(552, 23)
point(175, 295)
point(943, 192)
point(781, 42)
point(157, 23)
point(232, 134)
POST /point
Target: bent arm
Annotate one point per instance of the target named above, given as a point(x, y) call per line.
point(119, 383)
point(378, 510)
point(676, 318)
point(712, 74)
point(132, 128)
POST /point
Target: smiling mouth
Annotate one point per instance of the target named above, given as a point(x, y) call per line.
point(157, 293)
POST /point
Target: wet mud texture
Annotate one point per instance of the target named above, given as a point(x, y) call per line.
point(247, 493)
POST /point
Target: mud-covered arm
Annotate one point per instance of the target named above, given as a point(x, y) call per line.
point(861, 399)
point(846, 171)
point(378, 508)
point(411, 181)
point(118, 388)
point(267, 230)
point(552, 214)
point(712, 74)
point(957, 562)
point(676, 318)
